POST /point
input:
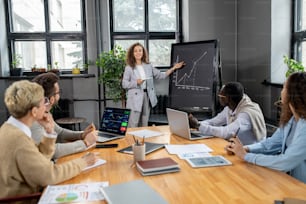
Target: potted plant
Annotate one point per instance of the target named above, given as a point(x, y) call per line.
point(293, 66)
point(86, 66)
point(112, 64)
point(15, 69)
point(54, 69)
point(76, 70)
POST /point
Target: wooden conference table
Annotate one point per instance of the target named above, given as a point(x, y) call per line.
point(239, 183)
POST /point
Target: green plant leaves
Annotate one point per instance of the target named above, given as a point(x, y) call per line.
point(112, 64)
point(293, 66)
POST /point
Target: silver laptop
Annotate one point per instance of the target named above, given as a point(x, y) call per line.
point(113, 124)
point(179, 125)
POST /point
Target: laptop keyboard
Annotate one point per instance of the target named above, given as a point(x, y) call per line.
point(102, 134)
point(194, 135)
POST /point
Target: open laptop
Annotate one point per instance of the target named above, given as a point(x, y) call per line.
point(113, 124)
point(179, 125)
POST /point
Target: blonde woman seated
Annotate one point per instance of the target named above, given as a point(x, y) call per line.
point(26, 168)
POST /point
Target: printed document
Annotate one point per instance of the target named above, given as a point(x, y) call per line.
point(187, 148)
point(71, 193)
point(145, 133)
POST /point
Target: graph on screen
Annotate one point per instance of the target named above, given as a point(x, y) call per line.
point(194, 85)
point(188, 80)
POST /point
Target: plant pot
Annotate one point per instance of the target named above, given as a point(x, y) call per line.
point(76, 71)
point(16, 72)
point(55, 71)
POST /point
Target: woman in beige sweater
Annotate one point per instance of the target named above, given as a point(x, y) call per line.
point(26, 168)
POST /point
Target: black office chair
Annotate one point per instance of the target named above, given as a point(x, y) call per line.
point(27, 198)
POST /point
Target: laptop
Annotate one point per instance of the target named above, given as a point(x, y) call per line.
point(114, 124)
point(179, 125)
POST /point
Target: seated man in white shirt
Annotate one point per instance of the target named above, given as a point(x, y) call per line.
point(240, 115)
point(68, 141)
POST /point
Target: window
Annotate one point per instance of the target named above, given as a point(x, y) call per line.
point(299, 34)
point(153, 23)
point(47, 33)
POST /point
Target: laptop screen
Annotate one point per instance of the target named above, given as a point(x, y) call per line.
point(115, 120)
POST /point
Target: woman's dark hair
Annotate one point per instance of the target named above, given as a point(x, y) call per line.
point(47, 81)
point(130, 59)
point(234, 91)
point(296, 96)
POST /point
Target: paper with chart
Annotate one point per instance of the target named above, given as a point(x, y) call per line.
point(71, 193)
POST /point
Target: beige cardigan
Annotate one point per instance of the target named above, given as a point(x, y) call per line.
point(24, 169)
point(255, 114)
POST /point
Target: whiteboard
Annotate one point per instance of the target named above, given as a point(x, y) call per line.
point(194, 86)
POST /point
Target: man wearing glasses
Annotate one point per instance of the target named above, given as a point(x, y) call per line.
point(240, 117)
point(68, 141)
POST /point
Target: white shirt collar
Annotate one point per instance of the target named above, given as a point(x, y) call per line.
point(17, 123)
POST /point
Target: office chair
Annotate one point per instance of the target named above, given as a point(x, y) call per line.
point(27, 197)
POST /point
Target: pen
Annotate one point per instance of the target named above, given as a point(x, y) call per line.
point(236, 134)
point(143, 139)
point(93, 127)
point(134, 139)
point(106, 145)
point(85, 155)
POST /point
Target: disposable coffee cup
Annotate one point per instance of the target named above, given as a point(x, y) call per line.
point(139, 151)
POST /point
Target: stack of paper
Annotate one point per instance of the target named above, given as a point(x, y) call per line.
point(98, 163)
point(145, 133)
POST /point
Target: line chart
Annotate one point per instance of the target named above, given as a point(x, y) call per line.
point(187, 80)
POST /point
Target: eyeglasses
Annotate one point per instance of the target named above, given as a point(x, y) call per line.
point(46, 101)
point(58, 92)
point(221, 96)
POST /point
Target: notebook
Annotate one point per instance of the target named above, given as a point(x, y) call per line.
point(113, 124)
point(179, 125)
point(157, 166)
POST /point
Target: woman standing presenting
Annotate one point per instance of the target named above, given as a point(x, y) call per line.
point(138, 81)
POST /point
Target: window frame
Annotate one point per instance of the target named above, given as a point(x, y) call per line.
point(146, 35)
point(46, 36)
point(298, 36)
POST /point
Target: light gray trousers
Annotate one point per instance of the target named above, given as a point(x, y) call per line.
point(141, 119)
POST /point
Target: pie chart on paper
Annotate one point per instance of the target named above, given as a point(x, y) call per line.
point(66, 197)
